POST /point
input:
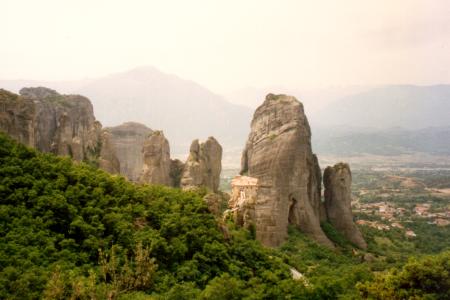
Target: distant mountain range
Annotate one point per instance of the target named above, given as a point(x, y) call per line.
point(405, 106)
point(394, 141)
point(183, 109)
point(348, 120)
point(387, 120)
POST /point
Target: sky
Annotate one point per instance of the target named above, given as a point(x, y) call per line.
point(228, 45)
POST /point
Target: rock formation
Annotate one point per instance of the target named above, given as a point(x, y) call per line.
point(50, 122)
point(202, 168)
point(337, 181)
point(17, 117)
point(128, 140)
point(65, 125)
point(156, 157)
point(203, 165)
point(108, 161)
point(282, 182)
point(278, 153)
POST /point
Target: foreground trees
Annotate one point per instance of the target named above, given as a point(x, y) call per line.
point(425, 278)
point(69, 231)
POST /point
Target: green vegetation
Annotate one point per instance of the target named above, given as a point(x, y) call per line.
point(70, 231)
point(331, 274)
point(426, 278)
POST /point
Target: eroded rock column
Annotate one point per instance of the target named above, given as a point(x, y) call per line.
point(203, 165)
point(278, 153)
point(337, 181)
point(156, 159)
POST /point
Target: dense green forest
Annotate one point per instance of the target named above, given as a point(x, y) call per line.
point(71, 231)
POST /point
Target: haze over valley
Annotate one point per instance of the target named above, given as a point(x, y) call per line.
point(348, 121)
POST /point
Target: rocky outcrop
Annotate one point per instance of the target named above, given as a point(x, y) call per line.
point(203, 165)
point(128, 140)
point(278, 153)
point(108, 161)
point(156, 160)
point(51, 122)
point(17, 117)
point(337, 181)
point(280, 181)
point(202, 168)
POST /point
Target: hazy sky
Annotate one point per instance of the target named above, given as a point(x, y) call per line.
point(226, 45)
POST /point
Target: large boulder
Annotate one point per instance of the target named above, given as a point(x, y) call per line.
point(278, 154)
point(337, 181)
point(51, 122)
point(203, 165)
point(157, 164)
point(128, 140)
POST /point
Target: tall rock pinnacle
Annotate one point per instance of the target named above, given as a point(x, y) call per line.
point(156, 157)
point(278, 153)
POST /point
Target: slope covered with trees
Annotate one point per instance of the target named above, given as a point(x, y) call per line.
point(71, 230)
point(426, 278)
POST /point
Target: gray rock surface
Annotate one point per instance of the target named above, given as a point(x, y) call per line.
point(156, 160)
point(108, 160)
point(203, 165)
point(278, 153)
point(337, 181)
point(17, 117)
point(51, 122)
point(128, 140)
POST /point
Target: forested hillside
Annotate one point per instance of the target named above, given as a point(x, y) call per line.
point(70, 231)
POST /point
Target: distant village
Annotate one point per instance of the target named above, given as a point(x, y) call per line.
point(398, 217)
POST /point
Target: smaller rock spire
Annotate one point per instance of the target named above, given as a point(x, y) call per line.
point(203, 165)
point(337, 181)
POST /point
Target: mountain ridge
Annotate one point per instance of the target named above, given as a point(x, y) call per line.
point(184, 109)
point(407, 106)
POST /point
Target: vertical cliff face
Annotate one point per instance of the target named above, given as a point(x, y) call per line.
point(278, 153)
point(64, 125)
point(128, 140)
point(61, 124)
point(17, 117)
point(156, 160)
point(337, 181)
point(108, 160)
point(203, 165)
